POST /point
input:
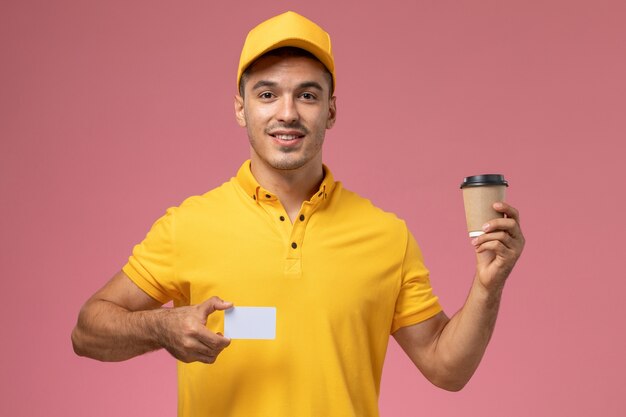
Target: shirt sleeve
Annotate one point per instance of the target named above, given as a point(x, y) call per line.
point(152, 263)
point(416, 301)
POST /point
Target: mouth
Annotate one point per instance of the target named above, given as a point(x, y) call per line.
point(287, 138)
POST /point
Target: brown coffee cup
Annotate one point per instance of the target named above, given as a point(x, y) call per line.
point(479, 194)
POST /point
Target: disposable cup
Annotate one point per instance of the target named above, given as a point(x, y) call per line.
point(479, 194)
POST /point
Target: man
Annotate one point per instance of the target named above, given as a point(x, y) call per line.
point(342, 274)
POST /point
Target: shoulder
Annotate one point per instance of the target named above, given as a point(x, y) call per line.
point(360, 209)
point(210, 204)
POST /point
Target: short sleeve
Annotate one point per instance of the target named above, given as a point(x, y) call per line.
point(416, 301)
point(152, 263)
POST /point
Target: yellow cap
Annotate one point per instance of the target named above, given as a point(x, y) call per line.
point(287, 29)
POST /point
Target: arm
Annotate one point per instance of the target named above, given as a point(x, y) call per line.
point(448, 351)
point(120, 321)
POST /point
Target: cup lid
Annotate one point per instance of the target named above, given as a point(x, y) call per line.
point(484, 179)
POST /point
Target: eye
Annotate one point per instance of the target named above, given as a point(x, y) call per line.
point(308, 96)
point(266, 95)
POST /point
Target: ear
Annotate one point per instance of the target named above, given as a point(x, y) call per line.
point(240, 113)
point(332, 112)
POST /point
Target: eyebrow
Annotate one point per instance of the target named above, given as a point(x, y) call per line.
point(264, 83)
point(306, 84)
point(311, 84)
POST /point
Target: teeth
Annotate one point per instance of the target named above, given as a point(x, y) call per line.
point(286, 137)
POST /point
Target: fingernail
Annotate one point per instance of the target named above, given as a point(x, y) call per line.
point(485, 226)
point(474, 241)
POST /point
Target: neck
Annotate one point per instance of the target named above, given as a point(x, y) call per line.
point(293, 186)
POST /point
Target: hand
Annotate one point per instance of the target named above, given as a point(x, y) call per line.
point(499, 248)
point(183, 332)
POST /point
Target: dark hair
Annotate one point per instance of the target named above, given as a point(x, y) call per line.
point(284, 52)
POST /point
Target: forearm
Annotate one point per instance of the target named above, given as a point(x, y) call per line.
point(107, 332)
point(448, 351)
point(464, 339)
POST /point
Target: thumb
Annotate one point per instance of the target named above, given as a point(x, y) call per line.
point(213, 304)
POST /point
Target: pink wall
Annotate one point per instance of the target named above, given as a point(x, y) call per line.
point(112, 111)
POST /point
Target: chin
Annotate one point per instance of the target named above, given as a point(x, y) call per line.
point(287, 165)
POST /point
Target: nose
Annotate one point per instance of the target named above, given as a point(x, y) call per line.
point(287, 110)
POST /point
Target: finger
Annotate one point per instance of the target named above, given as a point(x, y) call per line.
point(195, 348)
point(509, 225)
point(200, 351)
point(505, 238)
point(495, 246)
point(214, 341)
point(502, 223)
point(192, 350)
point(198, 357)
point(213, 304)
point(208, 359)
point(507, 209)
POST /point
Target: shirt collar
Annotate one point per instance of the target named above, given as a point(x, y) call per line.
point(255, 191)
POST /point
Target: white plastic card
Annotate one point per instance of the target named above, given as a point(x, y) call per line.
point(250, 323)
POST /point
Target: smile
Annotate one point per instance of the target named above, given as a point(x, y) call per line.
point(287, 137)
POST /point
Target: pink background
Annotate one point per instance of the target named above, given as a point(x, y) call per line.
point(112, 111)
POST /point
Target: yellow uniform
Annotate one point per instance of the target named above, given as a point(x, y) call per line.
point(342, 277)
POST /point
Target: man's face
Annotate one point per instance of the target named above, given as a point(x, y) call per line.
point(286, 110)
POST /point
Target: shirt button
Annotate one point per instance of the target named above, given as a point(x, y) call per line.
point(282, 218)
point(302, 217)
point(294, 245)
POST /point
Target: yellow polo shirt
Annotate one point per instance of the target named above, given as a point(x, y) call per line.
point(342, 278)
